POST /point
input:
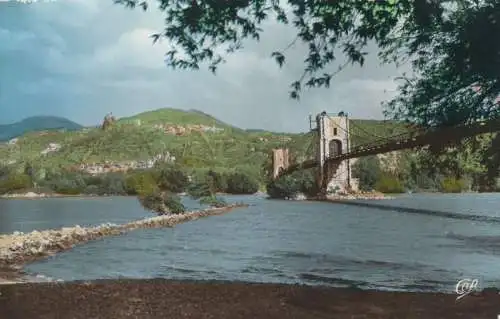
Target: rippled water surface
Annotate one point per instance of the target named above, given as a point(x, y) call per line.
point(280, 241)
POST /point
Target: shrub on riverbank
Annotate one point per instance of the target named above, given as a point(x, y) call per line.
point(307, 183)
point(65, 183)
point(367, 170)
point(162, 203)
point(389, 184)
point(285, 187)
point(201, 188)
point(213, 201)
point(167, 178)
point(452, 185)
point(74, 183)
point(13, 182)
point(112, 184)
point(205, 187)
point(172, 178)
point(225, 181)
point(141, 183)
point(241, 183)
point(288, 187)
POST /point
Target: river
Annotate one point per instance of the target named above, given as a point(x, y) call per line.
point(282, 241)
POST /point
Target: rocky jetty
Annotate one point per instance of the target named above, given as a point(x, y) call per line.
point(19, 248)
point(172, 220)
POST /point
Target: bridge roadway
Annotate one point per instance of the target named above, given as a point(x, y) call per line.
point(440, 136)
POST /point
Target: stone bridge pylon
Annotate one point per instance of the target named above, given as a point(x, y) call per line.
point(332, 139)
point(281, 161)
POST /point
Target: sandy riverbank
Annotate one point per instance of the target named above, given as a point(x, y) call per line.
point(18, 248)
point(159, 298)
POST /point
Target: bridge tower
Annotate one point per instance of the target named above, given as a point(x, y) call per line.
point(333, 135)
point(281, 160)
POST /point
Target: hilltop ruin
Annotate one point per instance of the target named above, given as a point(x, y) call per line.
point(108, 121)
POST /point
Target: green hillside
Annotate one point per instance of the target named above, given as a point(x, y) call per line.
point(137, 138)
point(175, 116)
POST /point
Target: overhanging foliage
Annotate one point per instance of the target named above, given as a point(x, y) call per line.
point(449, 43)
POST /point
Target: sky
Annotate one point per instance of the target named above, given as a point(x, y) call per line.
point(81, 59)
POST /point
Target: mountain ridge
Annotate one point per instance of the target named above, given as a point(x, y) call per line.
point(36, 123)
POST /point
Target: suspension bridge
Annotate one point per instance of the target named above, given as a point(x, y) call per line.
point(334, 155)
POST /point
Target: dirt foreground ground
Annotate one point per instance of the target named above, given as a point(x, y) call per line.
point(173, 299)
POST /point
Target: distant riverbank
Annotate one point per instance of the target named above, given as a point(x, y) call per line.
point(34, 195)
point(354, 196)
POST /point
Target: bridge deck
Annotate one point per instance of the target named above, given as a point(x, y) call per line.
point(441, 136)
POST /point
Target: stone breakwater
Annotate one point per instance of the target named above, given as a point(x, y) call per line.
point(19, 248)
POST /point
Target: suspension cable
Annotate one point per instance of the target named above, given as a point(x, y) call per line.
point(349, 133)
point(379, 138)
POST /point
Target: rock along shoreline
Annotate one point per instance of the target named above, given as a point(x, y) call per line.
point(18, 249)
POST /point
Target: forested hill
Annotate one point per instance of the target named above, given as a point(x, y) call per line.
point(195, 140)
point(36, 123)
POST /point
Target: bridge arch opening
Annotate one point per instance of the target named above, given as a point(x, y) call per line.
point(335, 148)
point(281, 170)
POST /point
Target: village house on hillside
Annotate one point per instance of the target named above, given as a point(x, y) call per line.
point(174, 129)
point(111, 166)
point(280, 138)
point(53, 147)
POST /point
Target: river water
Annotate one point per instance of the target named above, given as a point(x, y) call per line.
point(441, 240)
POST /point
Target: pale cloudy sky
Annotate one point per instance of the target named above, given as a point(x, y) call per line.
point(83, 58)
